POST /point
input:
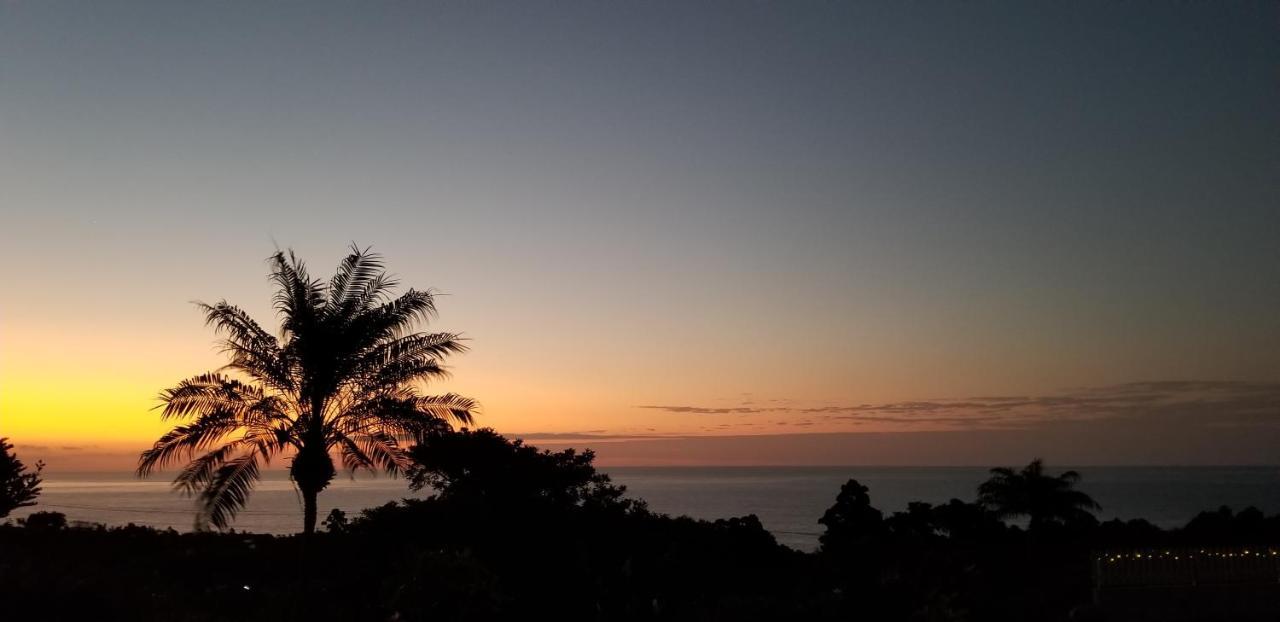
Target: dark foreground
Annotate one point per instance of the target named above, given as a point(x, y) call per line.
point(517, 534)
point(425, 561)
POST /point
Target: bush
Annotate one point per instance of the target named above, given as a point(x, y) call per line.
point(45, 521)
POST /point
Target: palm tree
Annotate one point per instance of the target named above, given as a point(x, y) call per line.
point(342, 378)
point(1030, 492)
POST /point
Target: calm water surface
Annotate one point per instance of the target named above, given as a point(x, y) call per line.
point(788, 500)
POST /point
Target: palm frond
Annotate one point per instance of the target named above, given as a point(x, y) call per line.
point(184, 440)
point(298, 299)
point(422, 371)
point(228, 319)
point(374, 450)
point(417, 365)
point(353, 457)
point(449, 406)
point(410, 350)
point(397, 317)
point(252, 349)
point(384, 452)
point(228, 490)
point(359, 280)
point(376, 292)
point(206, 393)
point(201, 470)
point(406, 416)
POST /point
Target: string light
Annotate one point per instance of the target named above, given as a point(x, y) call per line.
point(1188, 556)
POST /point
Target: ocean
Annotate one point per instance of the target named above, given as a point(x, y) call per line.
point(788, 500)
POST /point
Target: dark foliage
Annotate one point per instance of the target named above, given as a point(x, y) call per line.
point(851, 523)
point(561, 539)
point(482, 466)
point(961, 561)
point(514, 533)
point(44, 521)
point(1045, 499)
point(19, 486)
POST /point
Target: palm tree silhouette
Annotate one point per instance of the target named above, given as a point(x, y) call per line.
point(1030, 492)
point(343, 377)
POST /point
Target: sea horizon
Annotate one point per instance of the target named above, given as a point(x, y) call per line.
point(788, 500)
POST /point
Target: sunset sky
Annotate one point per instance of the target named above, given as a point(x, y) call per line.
point(820, 232)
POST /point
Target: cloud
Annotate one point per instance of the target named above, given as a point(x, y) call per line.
point(1211, 403)
point(594, 435)
point(959, 420)
point(704, 410)
point(60, 448)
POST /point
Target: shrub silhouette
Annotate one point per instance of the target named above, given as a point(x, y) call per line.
point(336, 521)
point(45, 521)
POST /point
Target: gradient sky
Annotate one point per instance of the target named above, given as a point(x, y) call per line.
point(911, 231)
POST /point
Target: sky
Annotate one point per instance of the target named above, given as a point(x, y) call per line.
point(675, 232)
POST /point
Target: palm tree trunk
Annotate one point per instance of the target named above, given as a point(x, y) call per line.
point(309, 511)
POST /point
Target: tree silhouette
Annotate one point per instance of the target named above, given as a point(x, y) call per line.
point(18, 488)
point(1046, 499)
point(852, 521)
point(343, 377)
point(484, 465)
